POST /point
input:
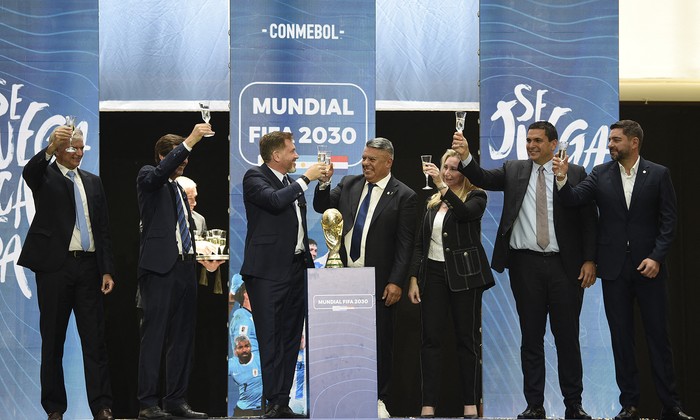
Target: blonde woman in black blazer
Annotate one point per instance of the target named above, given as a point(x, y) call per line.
point(449, 269)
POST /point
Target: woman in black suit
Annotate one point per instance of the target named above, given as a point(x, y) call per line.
point(449, 269)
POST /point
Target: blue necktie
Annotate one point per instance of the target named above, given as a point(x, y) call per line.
point(182, 221)
point(360, 225)
point(80, 214)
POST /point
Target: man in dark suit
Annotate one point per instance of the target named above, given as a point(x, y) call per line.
point(69, 249)
point(377, 234)
point(167, 288)
point(275, 261)
point(549, 251)
point(637, 206)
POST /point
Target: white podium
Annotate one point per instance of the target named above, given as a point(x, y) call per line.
point(342, 343)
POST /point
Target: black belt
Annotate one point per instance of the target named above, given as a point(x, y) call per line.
point(536, 253)
point(80, 254)
point(186, 257)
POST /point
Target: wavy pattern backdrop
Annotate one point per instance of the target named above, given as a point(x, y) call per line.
point(48, 52)
point(556, 61)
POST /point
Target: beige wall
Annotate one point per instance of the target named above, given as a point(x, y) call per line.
point(660, 50)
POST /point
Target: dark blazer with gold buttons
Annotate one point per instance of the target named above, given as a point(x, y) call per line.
point(466, 264)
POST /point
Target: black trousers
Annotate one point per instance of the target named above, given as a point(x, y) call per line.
point(436, 301)
point(541, 287)
point(279, 308)
point(619, 295)
point(169, 307)
point(76, 288)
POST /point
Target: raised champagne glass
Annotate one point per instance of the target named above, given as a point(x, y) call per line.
point(424, 160)
point(70, 122)
point(206, 114)
point(561, 152)
point(460, 116)
point(322, 153)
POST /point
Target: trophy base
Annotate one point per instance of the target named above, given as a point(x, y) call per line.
point(334, 262)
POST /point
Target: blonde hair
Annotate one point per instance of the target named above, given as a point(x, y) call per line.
point(463, 190)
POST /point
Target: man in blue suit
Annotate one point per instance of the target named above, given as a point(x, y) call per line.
point(73, 268)
point(167, 288)
point(275, 261)
point(637, 206)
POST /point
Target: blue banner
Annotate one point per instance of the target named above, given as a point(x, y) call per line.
point(555, 62)
point(49, 69)
point(307, 68)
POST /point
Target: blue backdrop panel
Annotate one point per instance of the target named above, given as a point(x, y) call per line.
point(307, 68)
point(427, 50)
point(49, 67)
point(555, 62)
point(342, 343)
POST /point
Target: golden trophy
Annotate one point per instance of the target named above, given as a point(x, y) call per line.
point(332, 224)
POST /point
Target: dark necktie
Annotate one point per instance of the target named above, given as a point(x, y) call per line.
point(285, 180)
point(182, 221)
point(360, 224)
point(80, 214)
point(542, 219)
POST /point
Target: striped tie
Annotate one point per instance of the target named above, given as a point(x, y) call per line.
point(182, 221)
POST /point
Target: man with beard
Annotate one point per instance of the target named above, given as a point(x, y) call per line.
point(244, 368)
point(275, 260)
point(637, 206)
point(167, 284)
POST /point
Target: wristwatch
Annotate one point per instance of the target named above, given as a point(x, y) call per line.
point(306, 179)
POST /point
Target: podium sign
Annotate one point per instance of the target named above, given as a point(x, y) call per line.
point(342, 343)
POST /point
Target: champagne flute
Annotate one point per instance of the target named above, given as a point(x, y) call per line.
point(206, 115)
point(324, 157)
point(459, 120)
point(70, 122)
point(426, 159)
point(561, 153)
point(222, 240)
point(322, 153)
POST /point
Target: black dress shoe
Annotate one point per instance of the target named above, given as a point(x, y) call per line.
point(576, 411)
point(154, 413)
point(674, 413)
point(56, 416)
point(104, 414)
point(279, 411)
point(184, 410)
point(533, 413)
point(628, 413)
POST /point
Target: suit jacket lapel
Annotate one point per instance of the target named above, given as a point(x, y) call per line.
point(522, 179)
point(354, 196)
point(386, 197)
point(639, 180)
point(271, 176)
point(67, 182)
point(616, 181)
